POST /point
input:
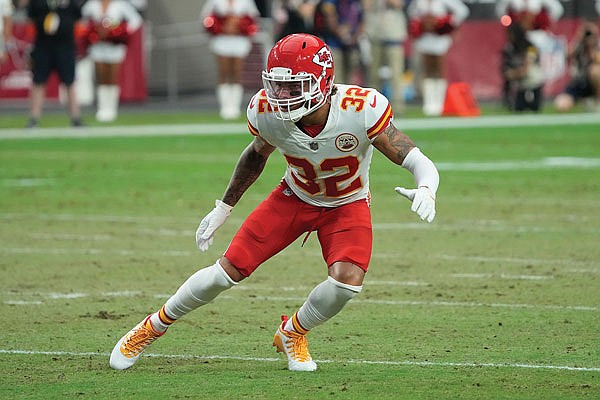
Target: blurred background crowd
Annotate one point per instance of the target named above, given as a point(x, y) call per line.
point(523, 54)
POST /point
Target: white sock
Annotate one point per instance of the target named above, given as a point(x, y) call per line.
point(223, 94)
point(237, 94)
point(429, 92)
point(102, 99)
point(113, 101)
point(326, 300)
point(199, 289)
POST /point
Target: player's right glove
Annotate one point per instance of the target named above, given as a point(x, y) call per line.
point(423, 201)
point(209, 224)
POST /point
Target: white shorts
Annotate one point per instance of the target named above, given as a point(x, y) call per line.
point(108, 52)
point(433, 44)
point(231, 46)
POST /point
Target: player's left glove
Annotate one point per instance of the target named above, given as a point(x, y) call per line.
point(423, 201)
point(209, 224)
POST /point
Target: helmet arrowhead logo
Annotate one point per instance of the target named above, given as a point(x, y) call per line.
point(323, 58)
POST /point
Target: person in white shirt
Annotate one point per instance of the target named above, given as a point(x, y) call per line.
point(431, 23)
point(110, 23)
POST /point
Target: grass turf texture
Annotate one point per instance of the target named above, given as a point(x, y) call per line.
point(97, 233)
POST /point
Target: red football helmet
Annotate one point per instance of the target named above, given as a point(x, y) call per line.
point(299, 75)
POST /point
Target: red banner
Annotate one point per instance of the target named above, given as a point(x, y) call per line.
point(475, 57)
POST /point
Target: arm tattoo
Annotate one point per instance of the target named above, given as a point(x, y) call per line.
point(248, 169)
point(401, 143)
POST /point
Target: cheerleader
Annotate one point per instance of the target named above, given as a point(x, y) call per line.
point(534, 16)
point(110, 22)
point(431, 23)
point(231, 23)
point(531, 14)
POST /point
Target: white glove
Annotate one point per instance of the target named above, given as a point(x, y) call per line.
point(209, 224)
point(423, 201)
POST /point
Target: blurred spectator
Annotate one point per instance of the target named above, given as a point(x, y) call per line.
point(339, 23)
point(5, 27)
point(294, 16)
point(385, 24)
point(53, 50)
point(584, 58)
point(431, 24)
point(109, 24)
point(521, 71)
point(231, 23)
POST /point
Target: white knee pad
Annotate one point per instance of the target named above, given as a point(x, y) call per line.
point(198, 290)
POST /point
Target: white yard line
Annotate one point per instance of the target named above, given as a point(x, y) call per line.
point(93, 251)
point(520, 165)
point(376, 255)
point(517, 260)
point(241, 128)
point(502, 276)
point(351, 361)
point(478, 225)
point(457, 304)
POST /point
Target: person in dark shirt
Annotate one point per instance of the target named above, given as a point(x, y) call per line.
point(53, 50)
point(584, 59)
point(521, 72)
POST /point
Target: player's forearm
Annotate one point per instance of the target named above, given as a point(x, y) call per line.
point(394, 144)
point(248, 169)
point(423, 169)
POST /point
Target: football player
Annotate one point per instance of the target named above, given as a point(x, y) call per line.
point(326, 132)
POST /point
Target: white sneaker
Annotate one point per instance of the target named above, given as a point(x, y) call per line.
point(131, 346)
point(295, 347)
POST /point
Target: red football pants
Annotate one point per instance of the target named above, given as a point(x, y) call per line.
point(344, 232)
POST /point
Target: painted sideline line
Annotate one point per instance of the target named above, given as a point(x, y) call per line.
point(440, 303)
point(476, 225)
point(241, 128)
point(192, 253)
point(351, 361)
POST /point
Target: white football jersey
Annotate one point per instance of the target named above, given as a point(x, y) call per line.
point(332, 168)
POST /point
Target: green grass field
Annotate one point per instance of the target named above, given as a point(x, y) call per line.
point(498, 298)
